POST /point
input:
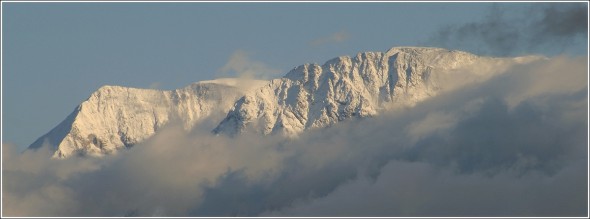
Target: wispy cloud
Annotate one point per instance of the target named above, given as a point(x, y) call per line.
point(337, 37)
point(241, 65)
point(553, 27)
point(155, 85)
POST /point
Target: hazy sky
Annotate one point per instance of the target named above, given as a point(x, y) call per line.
point(56, 54)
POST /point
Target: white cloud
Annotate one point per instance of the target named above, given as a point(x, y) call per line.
point(34, 185)
point(242, 66)
point(336, 37)
point(155, 85)
point(473, 151)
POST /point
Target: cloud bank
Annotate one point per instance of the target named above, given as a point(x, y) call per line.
point(547, 28)
point(514, 144)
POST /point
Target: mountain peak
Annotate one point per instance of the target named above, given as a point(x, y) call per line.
point(307, 97)
point(396, 49)
point(312, 96)
point(116, 117)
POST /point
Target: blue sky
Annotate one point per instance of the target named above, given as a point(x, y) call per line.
point(56, 54)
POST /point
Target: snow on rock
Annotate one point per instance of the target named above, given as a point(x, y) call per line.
point(309, 96)
point(117, 117)
point(312, 96)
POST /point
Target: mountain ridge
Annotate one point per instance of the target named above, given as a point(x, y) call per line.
point(116, 117)
point(341, 88)
point(308, 96)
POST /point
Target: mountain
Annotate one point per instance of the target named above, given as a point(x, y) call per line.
point(309, 96)
point(116, 117)
point(312, 96)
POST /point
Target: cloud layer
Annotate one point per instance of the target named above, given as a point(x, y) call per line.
point(512, 145)
point(552, 27)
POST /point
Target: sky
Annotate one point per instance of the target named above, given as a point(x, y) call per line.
point(57, 54)
point(513, 142)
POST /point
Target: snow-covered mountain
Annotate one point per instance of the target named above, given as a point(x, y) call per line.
point(309, 96)
point(116, 117)
point(312, 96)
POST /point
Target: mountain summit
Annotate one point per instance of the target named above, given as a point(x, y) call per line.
point(312, 96)
point(117, 117)
point(309, 96)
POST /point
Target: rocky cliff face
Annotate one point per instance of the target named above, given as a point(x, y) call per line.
point(116, 117)
point(311, 95)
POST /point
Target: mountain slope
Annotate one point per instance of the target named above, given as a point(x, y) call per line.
point(311, 95)
point(116, 117)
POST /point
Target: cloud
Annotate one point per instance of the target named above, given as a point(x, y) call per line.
point(564, 21)
point(336, 37)
point(475, 156)
point(34, 185)
point(155, 85)
point(419, 189)
point(514, 144)
point(242, 66)
point(544, 28)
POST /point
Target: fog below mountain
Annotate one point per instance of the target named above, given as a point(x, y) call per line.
point(513, 143)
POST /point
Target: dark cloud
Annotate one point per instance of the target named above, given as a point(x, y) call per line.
point(565, 20)
point(514, 144)
point(419, 189)
point(547, 28)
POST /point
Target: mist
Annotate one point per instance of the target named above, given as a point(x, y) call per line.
point(514, 144)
